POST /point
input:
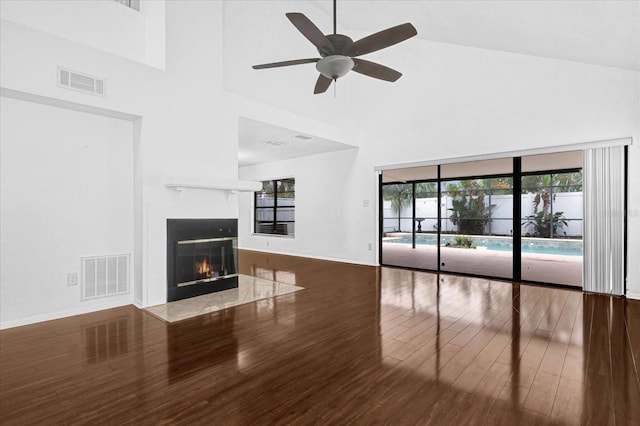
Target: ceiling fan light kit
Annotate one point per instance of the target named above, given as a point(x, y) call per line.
point(339, 53)
point(334, 66)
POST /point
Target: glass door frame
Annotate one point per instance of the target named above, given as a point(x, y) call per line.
point(516, 174)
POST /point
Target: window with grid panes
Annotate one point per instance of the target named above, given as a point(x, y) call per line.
point(275, 207)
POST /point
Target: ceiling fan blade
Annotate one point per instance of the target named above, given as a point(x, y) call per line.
point(285, 63)
point(382, 39)
point(322, 84)
point(374, 70)
point(310, 31)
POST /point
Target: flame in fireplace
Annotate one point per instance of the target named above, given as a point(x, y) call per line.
point(205, 268)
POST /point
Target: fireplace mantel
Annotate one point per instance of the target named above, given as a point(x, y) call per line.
point(178, 183)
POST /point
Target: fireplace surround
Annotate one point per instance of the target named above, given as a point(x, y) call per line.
point(202, 257)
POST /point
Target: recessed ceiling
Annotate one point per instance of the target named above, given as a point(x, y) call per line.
point(262, 143)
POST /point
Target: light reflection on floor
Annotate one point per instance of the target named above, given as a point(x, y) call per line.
point(250, 289)
point(509, 342)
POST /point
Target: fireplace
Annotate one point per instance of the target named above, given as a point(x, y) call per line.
point(201, 256)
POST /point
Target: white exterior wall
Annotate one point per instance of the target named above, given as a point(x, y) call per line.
point(570, 203)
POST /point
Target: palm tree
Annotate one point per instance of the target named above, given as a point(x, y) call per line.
point(568, 182)
point(470, 213)
point(545, 188)
point(399, 194)
point(426, 190)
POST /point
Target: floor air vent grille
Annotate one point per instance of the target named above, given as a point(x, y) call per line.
point(105, 276)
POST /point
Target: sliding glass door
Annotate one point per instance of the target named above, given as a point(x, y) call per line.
point(551, 206)
point(476, 224)
point(460, 218)
point(409, 223)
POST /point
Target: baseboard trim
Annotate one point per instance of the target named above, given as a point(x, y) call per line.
point(635, 296)
point(62, 314)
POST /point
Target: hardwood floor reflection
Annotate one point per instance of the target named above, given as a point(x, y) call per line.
point(359, 345)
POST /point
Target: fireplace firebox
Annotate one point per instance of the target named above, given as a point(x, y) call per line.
point(201, 256)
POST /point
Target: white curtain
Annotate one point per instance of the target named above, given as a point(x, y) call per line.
point(603, 192)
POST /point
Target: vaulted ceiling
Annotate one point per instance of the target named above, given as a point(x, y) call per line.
point(604, 33)
point(595, 32)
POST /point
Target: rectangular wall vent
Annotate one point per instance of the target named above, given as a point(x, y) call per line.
point(81, 82)
point(105, 276)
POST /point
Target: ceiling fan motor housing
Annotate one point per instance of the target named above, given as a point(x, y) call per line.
point(335, 64)
point(340, 43)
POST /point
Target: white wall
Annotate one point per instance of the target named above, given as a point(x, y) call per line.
point(66, 191)
point(323, 210)
point(456, 101)
point(184, 122)
point(105, 25)
point(184, 128)
point(459, 101)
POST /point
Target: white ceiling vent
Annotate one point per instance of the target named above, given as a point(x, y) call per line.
point(81, 82)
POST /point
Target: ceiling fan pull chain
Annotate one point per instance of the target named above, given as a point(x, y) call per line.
point(335, 84)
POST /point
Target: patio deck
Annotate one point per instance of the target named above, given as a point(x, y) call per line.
point(547, 268)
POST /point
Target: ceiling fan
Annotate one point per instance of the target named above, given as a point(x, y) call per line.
point(339, 53)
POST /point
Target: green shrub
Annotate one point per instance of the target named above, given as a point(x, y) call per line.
point(464, 241)
point(470, 213)
point(545, 225)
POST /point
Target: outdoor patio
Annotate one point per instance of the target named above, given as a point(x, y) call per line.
point(547, 268)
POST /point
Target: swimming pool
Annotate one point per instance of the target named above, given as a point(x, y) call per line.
point(529, 245)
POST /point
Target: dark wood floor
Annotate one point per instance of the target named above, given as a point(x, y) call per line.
point(361, 345)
